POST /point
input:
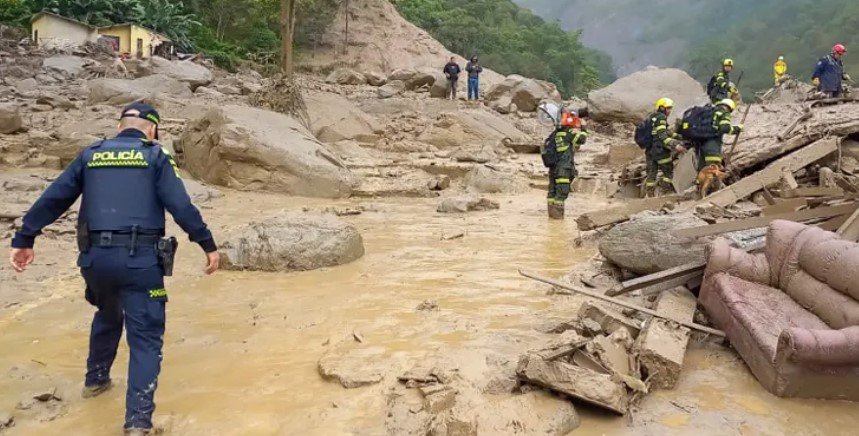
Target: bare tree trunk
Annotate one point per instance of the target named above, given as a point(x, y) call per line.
point(287, 32)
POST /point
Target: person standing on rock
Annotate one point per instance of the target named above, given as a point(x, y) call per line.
point(451, 72)
point(660, 153)
point(829, 73)
point(780, 70)
point(126, 183)
point(719, 87)
point(474, 69)
point(558, 156)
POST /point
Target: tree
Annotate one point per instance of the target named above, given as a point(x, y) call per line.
point(287, 33)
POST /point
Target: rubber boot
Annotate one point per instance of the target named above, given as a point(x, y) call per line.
point(556, 211)
point(137, 432)
point(650, 192)
point(96, 390)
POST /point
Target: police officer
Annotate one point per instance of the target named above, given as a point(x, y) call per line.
point(570, 135)
point(126, 183)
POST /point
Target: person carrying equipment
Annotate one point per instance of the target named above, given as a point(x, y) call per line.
point(558, 155)
point(719, 87)
point(660, 152)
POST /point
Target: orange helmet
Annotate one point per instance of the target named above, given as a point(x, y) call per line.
point(569, 119)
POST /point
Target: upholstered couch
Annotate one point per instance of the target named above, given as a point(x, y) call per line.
point(792, 311)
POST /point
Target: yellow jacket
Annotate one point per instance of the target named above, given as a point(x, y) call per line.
point(780, 68)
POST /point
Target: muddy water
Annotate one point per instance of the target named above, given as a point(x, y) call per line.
point(241, 349)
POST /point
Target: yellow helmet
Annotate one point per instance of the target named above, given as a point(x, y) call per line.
point(664, 102)
point(730, 104)
point(728, 63)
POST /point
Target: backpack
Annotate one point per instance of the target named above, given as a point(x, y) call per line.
point(697, 123)
point(549, 151)
point(644, 133)
point(711, 85)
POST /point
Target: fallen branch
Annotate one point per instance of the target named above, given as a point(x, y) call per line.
point(625, 304)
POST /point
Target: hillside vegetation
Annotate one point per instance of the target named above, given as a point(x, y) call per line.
point(695, 35)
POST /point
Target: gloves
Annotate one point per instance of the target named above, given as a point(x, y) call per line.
point(847, 77)
point(815, 81)
point(680, 149)
point(739, 128)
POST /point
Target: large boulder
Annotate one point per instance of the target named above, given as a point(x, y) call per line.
point(10, 118)
point(392, 88)
point(255, 149)
point(333, 118)
point(525, 93)
point(292, 242)
point(188, 72)
point(424, 77)
point(646, 244)
point(68, 66)
point(122, 91)
point(72, 137)
point(631, 98)
point(345, 76)
point(470, 128)
point(486, 180)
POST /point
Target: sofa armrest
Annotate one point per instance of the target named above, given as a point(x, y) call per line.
point(722, 258)
point(819, 347)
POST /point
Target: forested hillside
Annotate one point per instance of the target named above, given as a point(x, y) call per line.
point(508, 38)
point(695, 34)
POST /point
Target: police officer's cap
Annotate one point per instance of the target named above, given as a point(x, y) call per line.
point(144, 111)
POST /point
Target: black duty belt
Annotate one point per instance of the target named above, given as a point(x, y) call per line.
point(113, 239)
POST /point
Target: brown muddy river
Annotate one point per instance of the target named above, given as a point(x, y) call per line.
point(241, 349)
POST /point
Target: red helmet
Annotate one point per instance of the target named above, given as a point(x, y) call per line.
point(569, 119)
point(839, 49)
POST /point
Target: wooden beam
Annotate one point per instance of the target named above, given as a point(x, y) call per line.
point(785, 206)
point(811, 192)
point(623, 303)
point(655, 278)
point(771, 174)
point(787, 131)
point(834, 223)
point(850, 229)
point(787, 176)
point(763, 221)
point(768, 196)
point(604, 217)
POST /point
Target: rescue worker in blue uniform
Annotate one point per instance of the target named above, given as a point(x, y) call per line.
point(126, 183)
point(829, 74)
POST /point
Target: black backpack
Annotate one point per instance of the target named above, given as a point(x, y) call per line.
point(697, 123)
point(549, 151)
point(644, 133)
point(711, 85)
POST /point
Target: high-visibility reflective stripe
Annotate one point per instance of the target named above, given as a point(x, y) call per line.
point(723, 122)
point(664, 161)
point(712, 158)
point(564, 148)
point(649, 184)
point(666, 179)
point(562, 181)
point(659, 129)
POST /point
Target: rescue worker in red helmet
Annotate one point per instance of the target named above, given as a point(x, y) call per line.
point(567, 138)
point(829, 73)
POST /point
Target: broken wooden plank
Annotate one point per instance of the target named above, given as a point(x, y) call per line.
point(763, 221)
point(655, 278)
point(590, 386)
point(772, 173)
point(811, 192)
point(834, 223)
point(787, 131)
point(785, 206)
point(609, 320)
point(662, 345)
point(768, 196)
point(789, 180)
point(846, 185)
point(601, 218)
point(850, 229)
point(622, 303)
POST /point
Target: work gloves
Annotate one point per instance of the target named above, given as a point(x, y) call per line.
point(847, 77)
point(739, 128)
point(815, 81)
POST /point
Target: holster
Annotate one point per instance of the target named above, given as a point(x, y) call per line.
point(167, 254)
point(83, 237)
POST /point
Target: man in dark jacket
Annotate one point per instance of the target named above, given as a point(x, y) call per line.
point(829, 72)
point(451, 71)
point(719, 87)
point(474, 69)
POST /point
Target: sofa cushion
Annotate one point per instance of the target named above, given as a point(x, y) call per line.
point(836, 309)
point(763, 311)
point(834, 262)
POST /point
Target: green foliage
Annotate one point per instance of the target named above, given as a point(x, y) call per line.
point(14, 12)
point(510, 40)
point(170, 18)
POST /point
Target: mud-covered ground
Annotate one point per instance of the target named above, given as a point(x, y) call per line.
point(242, 349)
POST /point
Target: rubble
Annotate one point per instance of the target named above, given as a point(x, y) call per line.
point(466, 203)
point(525, 93)
point(10, 118)
point(119, 92)
point(661, 347)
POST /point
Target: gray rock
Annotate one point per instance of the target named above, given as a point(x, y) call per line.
point(466, 203)
point(401, 74)
point(188, 72)
point(645, 244)
point(392, 88)
point(228, 89)
point(486, 180)
point(25, 85)
point(525, 93)
point(255, 149)
point(10, 118)
point(631, 98)
point(345, 76)
point(293, 242)
point(353, 368)
point(122, 91)
point(333, 118)
point(420, 79)
point(375, 79)
point(66, 66)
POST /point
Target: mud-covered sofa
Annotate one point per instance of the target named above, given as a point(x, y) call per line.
point(791, 312)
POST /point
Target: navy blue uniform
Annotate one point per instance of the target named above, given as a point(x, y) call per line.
point(126, 183)
point(830, 71)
